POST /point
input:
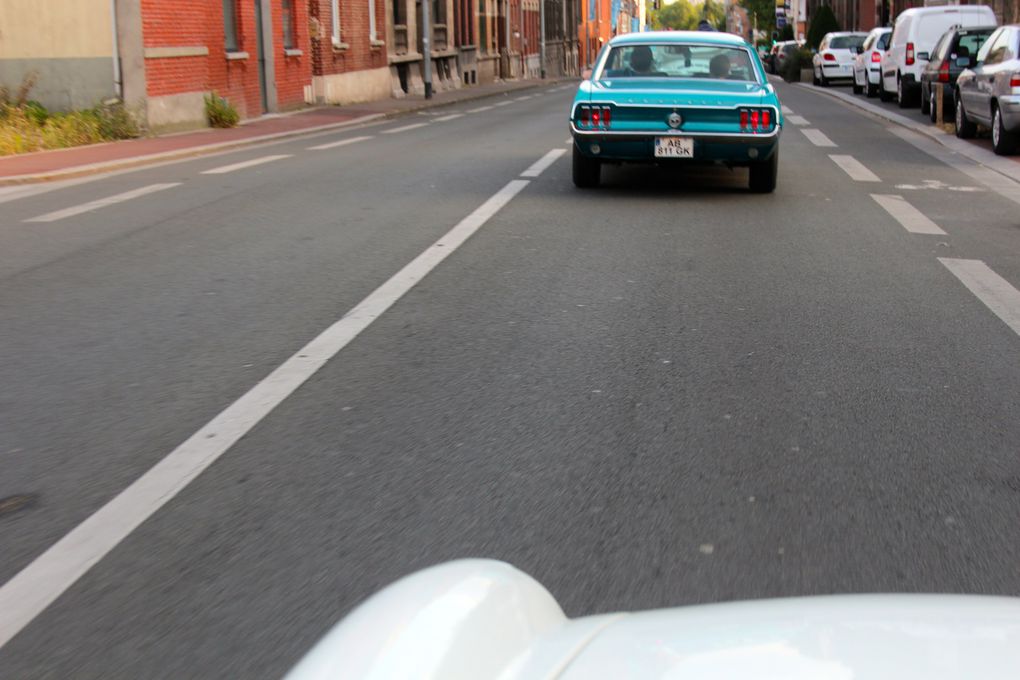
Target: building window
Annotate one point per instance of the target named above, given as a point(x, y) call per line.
point(399, 13)
point(372, 33)
point(335, 9)
point(230, 25)
point(288, 24)
point(439, 12)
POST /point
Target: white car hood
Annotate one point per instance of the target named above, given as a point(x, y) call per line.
point(477, 619)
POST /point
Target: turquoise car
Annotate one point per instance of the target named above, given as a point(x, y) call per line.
point(675, 97)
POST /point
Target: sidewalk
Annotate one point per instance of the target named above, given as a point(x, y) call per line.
point(977, 150)
point(84, 160)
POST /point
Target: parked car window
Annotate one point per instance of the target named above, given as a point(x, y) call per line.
point(938, 52)
point(883, 41)
point(679, 61)
point(995, 49)
point(844, 42)
point(868, 42)
point(970, 43)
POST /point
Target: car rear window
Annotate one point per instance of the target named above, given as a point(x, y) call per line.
point(845, 42)
point(883, 41)
point(710, 62)
point(972, 41)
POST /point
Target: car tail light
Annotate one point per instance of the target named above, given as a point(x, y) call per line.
point(755, 120)
point(607, 117)
point(944, 72)
point(829, 56)
point(910, 54)
point(585, 116)
point(596, 117)
point(876, 58)
point(1014, 80)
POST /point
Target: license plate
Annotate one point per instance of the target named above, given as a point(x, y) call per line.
point(846, 69)
point(674, 147)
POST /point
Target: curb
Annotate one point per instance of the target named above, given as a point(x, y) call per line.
point(206, 149)
point(987, 159)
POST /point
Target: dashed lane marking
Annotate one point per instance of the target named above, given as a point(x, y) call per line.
point(342, 142)
point(102, 202)
point(787, 110)
point(798, 120)
point(994, 291)
point(504, 103)
point(452, 116)
point(223, 169)
point(404, 128)
point(817, 137)
point(542, 163)
point(854, 168)
point(480, 109)
point(911, 219)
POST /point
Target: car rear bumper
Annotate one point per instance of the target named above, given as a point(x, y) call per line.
point(1009, 106)
point(734, 149)
point(835, 71)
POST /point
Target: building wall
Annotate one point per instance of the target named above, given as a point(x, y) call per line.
point(67, 44)
point(354, 68)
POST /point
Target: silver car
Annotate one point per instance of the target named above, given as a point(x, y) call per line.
point(988, 92)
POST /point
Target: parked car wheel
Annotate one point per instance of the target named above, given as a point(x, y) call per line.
point(822, 80)
point(1003, 143)
point(884, 95)
point(586, 171)
point(814, 77)
point(926, 103)
point(965, 129)
point(762, 177)
point(870, 91)
point(933, 108)
point(902, 97)
point(857, 88)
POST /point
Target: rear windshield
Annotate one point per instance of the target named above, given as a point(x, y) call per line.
point(972, 42)
point(883, 41)
point(845, 42)
point(711, 62)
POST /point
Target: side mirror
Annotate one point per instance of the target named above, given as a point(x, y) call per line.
point(963, 62)
point(923, 56)
point(586, 74)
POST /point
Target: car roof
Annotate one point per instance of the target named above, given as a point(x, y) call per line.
point(840, 34)
point(659, 37)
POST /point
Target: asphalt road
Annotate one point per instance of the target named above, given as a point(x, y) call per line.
point(661, 392)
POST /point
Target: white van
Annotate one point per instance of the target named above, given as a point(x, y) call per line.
point(914, 35)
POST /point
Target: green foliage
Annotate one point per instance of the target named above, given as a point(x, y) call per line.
point(764, 11)
point(824, 21)
point(115, 121)
point(683, 15)
point(786, 33)
point(220, 112)
point(800, 59)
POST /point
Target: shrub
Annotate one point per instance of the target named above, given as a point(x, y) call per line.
point(115, 121)
point(794, 63)
point(220, 112)
point(824, 21)
point(36, 111)
point(786, 33)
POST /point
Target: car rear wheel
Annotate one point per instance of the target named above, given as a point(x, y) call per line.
point(1003, 143)
point(926, 103)
point(933, 108)
point(870, 91)
point(586, 171)
point(763, 174)
point(902, 95)
point(965, 129)
point(857, 88)
point(884, 94)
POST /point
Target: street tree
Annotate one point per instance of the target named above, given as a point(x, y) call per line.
point(824, 21)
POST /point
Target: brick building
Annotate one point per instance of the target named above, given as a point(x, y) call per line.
point(349, 55)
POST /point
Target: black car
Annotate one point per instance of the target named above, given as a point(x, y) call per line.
point(945, 66)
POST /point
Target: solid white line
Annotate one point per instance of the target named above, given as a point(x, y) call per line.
point(479, 109)
point(405, 128)
point(993, 290)
point(798, 120)
point(503, 103)
point(787, 110)
point(452, 116)
point(912, 219)
point(101, 203)
point(244, 164)
point(524, 98)
point(40, 583)
point(854, 168)
point(542, 163)
point(342, 142)
point(817, 137)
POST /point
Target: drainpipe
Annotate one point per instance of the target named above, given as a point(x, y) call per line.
point(118, 86)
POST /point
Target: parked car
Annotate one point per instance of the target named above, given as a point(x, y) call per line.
point(989, 91)
point(778, 54)
point(677, 97)
point(944, 66)
point(835, 57)
point(914, 35)
point(868, 62)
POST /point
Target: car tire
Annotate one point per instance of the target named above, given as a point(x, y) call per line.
point(883, 94)
point(870, 91)
point(902, 96)
point(822, 80)
point(926, 107)
point(965, 129)
point(857, 88)
point(763, 174)
point(933, 108)
point(1004, 142)
point(586, 171)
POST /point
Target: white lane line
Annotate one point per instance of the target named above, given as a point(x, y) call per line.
point(524, 98)
point(479, 109)
point(542, 163)
point(245, 164)
point(452, 116)
point(404, 128)
point(102, 202)
point(569, 141)
point(854, 168)
point(817, 137)
point(342, 142)
point(787, 110)
point(912, 219)
point(504, 103)
point(40, 583)
point(798, 120)
point(993, 290)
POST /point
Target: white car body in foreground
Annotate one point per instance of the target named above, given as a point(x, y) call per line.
point(479, 619)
